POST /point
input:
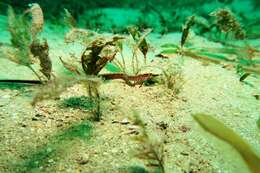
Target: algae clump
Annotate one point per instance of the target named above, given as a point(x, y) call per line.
point(83, 102)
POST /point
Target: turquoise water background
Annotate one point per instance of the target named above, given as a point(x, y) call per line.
point(161, 15)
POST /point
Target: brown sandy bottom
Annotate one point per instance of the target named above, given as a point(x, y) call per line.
point(30, 137)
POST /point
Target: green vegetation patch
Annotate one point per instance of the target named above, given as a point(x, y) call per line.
point(83, 102)
point(214, 55)
point(137, 169)
point(81, 131)
point(169, 51)
point(37, 159)
point(13, 86)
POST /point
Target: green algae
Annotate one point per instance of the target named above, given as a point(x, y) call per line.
point(213, 55)
point(13, 86)
point(169, 51)
point(137, 169)
point(169, 45)
point(81, 131)
point(83, 102)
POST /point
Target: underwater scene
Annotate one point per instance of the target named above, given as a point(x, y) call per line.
point(130, 86)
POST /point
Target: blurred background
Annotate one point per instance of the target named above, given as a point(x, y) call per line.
point(161, 15)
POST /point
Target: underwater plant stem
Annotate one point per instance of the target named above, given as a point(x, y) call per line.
point(95, 98)
point(133, 63)
point(120, 65)
point(145, 57)
point(123, 59)
point(217, 128)
point(38, 76)
point(158, 158)
point(136, 63)
point(216, 61)
point(97, 111)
